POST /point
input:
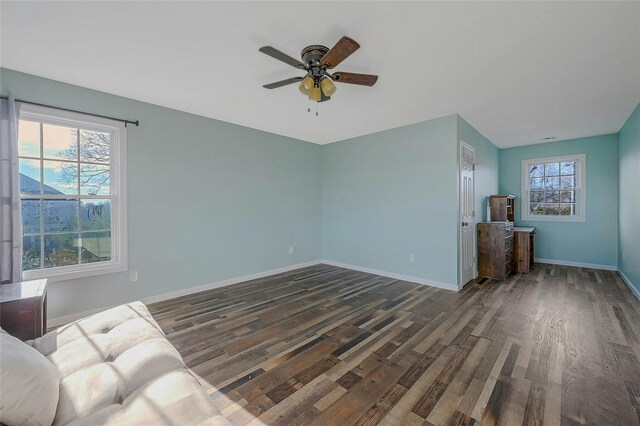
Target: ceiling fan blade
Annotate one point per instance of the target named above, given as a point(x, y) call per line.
point(352, 78)
point(282, 82)
point(275, 53)
point(323, 97)
point(338, 53)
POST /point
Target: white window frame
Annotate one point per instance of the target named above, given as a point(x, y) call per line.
point(118, 189)
point(581, 189)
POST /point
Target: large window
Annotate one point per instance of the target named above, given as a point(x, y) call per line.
point(554, 188)
point(72, 190)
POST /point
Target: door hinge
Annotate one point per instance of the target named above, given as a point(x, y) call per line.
point(473, 167)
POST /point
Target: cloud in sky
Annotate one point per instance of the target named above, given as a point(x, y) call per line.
point(54, 139)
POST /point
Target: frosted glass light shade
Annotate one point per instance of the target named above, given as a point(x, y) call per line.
point(328, 88)
point(305, 85)
point(315, 94)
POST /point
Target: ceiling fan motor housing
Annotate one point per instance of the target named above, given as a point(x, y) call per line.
point(311, 55)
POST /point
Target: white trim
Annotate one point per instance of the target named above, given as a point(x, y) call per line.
point(65, 319)
point(118, 196)
point(627, 281)
point(446, 286)
point(581, 189)
point(577, 264)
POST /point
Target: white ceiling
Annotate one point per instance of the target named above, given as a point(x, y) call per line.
point(516, 71)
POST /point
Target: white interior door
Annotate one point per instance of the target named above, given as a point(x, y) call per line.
point(467, 213)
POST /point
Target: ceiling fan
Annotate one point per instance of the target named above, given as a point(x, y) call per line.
point(317, 84)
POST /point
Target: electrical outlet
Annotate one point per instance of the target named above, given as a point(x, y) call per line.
point(133, 276)
point(412, 258)
point(292, 249)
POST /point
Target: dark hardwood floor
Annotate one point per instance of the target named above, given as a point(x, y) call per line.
point(325, 345)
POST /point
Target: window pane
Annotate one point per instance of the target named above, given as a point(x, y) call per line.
point(96, 246)
point(60, 177)
point(567, 209)
point(551, 169)
point(95, 214)
point(94, 179)
point(568, 168)
point(29, 176)
point(59, 142)
point(30, 253)
point(536, 208)
point(537, 183)
point(552, 196)
point(60, 250)
point(568, 182)
point(568, 197)
point(552, 183)
point(94, 147)
point(551, 209)
point(536, 196)
point(536, 170)
point(29, 139)
point(30, 217)
point(60, 215)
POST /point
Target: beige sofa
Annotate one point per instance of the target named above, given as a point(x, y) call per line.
point(117, 367)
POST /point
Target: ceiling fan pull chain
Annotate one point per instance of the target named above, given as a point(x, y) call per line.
point(316, 109)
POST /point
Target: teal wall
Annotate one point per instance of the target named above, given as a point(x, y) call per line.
point(487, 166)
point(391, 194)
point(594, 241)
point(208, 200)
point(629, 155)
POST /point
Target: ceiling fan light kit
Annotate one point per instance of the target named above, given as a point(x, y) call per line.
point(318, 84)
point(328, 88)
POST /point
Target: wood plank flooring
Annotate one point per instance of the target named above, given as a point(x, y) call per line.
point(330, 346)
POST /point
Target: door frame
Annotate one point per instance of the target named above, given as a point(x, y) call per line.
point(462, 144)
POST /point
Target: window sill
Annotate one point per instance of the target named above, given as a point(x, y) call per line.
point(70, 273)
point(542, 218)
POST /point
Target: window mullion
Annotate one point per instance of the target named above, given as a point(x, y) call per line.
point(79, 240)
point(41, 196)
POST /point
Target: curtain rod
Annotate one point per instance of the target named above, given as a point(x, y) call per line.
point(137, 122)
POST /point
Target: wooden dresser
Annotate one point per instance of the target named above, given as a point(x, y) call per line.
point(495, 249)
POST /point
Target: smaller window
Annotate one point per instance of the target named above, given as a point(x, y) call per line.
point(553, 189)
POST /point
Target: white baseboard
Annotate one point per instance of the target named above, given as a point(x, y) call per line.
point(446, 286)
point(578, 264)
point(58, 321)
point(627, 281)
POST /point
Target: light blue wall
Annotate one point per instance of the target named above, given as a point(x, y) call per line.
point(487, 166)
point(391, 194)
point(594, 241)
point(208, 200)
point(629, 155)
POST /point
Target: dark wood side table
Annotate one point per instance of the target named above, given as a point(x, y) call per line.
point(524, 237)
point(23, 308)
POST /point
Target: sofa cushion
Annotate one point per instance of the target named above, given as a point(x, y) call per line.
point(117, 367)
point(28, 384)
